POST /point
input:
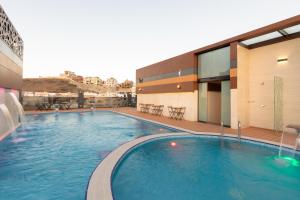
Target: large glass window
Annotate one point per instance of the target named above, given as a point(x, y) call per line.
point(225, 103)
point(202, 102)
point(214, 63)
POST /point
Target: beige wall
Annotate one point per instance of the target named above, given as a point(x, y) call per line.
point(234, 109)
point(184, 99)
point(243, 86)
point(261, 66)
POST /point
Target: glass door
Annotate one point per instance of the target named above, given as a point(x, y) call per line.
point(225, 103)
point(202, 102)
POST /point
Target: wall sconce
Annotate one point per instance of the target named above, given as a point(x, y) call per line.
point(178, 86)
point(282, 60)
point(179, 72)
point(140, 89)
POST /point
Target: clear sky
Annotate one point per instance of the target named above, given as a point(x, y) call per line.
point(115, 37)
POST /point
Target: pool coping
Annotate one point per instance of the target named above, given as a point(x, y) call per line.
point(99, 186)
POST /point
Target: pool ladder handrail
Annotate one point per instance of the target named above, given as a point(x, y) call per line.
point(239, 134)
point(222, 128)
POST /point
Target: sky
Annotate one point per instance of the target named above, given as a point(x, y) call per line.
point(116, 37)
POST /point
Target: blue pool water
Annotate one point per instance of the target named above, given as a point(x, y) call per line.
point(206, 168)
point(51, 156)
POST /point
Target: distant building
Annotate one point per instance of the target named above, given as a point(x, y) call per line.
point(92, 81)
point(111, 82)
point(78, 79)
point(127, 84)
point(68, 74)
point(73, 76)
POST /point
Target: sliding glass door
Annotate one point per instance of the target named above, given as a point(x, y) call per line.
point(202, 102)
point(225, 102)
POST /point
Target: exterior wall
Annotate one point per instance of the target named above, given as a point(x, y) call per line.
point(172, 82)
point(184, 99)
point(111, 82)
point(11, 54)
point(175, 75)
point(10, 72)
point(234, 109)
point(92, 80)
point(263, 67)
point(243, 86)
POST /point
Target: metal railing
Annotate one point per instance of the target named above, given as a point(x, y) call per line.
point(239, 133)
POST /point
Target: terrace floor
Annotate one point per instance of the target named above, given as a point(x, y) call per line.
point(260, 134)
point(251, 132)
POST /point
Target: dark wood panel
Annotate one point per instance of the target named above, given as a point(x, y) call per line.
point(172, 88)
point(233, 54)
point(171, 65)
point(211, 79)
point(233, 82)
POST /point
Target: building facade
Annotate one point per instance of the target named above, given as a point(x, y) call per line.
point(11, 72)
point(92, 81)
point(73, 76)
point(251, 79)
point(111, 82)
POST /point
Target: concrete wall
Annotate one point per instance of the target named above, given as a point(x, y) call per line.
point(184, 99)
point(254, 103)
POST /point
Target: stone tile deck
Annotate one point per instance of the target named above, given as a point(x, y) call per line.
point(251, 132)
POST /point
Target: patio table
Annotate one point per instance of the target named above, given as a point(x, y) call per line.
point(145, 108)
point(64, 105)
point(176, 112)
point(157, 109)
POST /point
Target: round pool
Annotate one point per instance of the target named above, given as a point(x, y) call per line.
point(202, 167)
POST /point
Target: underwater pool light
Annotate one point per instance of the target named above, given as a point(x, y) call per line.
point(173, 144)
point(290, 160)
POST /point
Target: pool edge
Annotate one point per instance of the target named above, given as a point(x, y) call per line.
point(99, 186)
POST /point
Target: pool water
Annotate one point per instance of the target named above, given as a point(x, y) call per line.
point(52, 156)
point(197, 167)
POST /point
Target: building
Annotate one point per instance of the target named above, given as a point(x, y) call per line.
point(111, 82)
point(92, 81)
point(126, 84)
point(11, 74)
point(73, 76)
point(252, 78)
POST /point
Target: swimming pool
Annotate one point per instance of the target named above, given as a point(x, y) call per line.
point(51, 156)
point(206, 167)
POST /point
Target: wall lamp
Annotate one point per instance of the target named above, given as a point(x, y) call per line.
point(178, 86)
point(282, 60)
point(140, 89)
